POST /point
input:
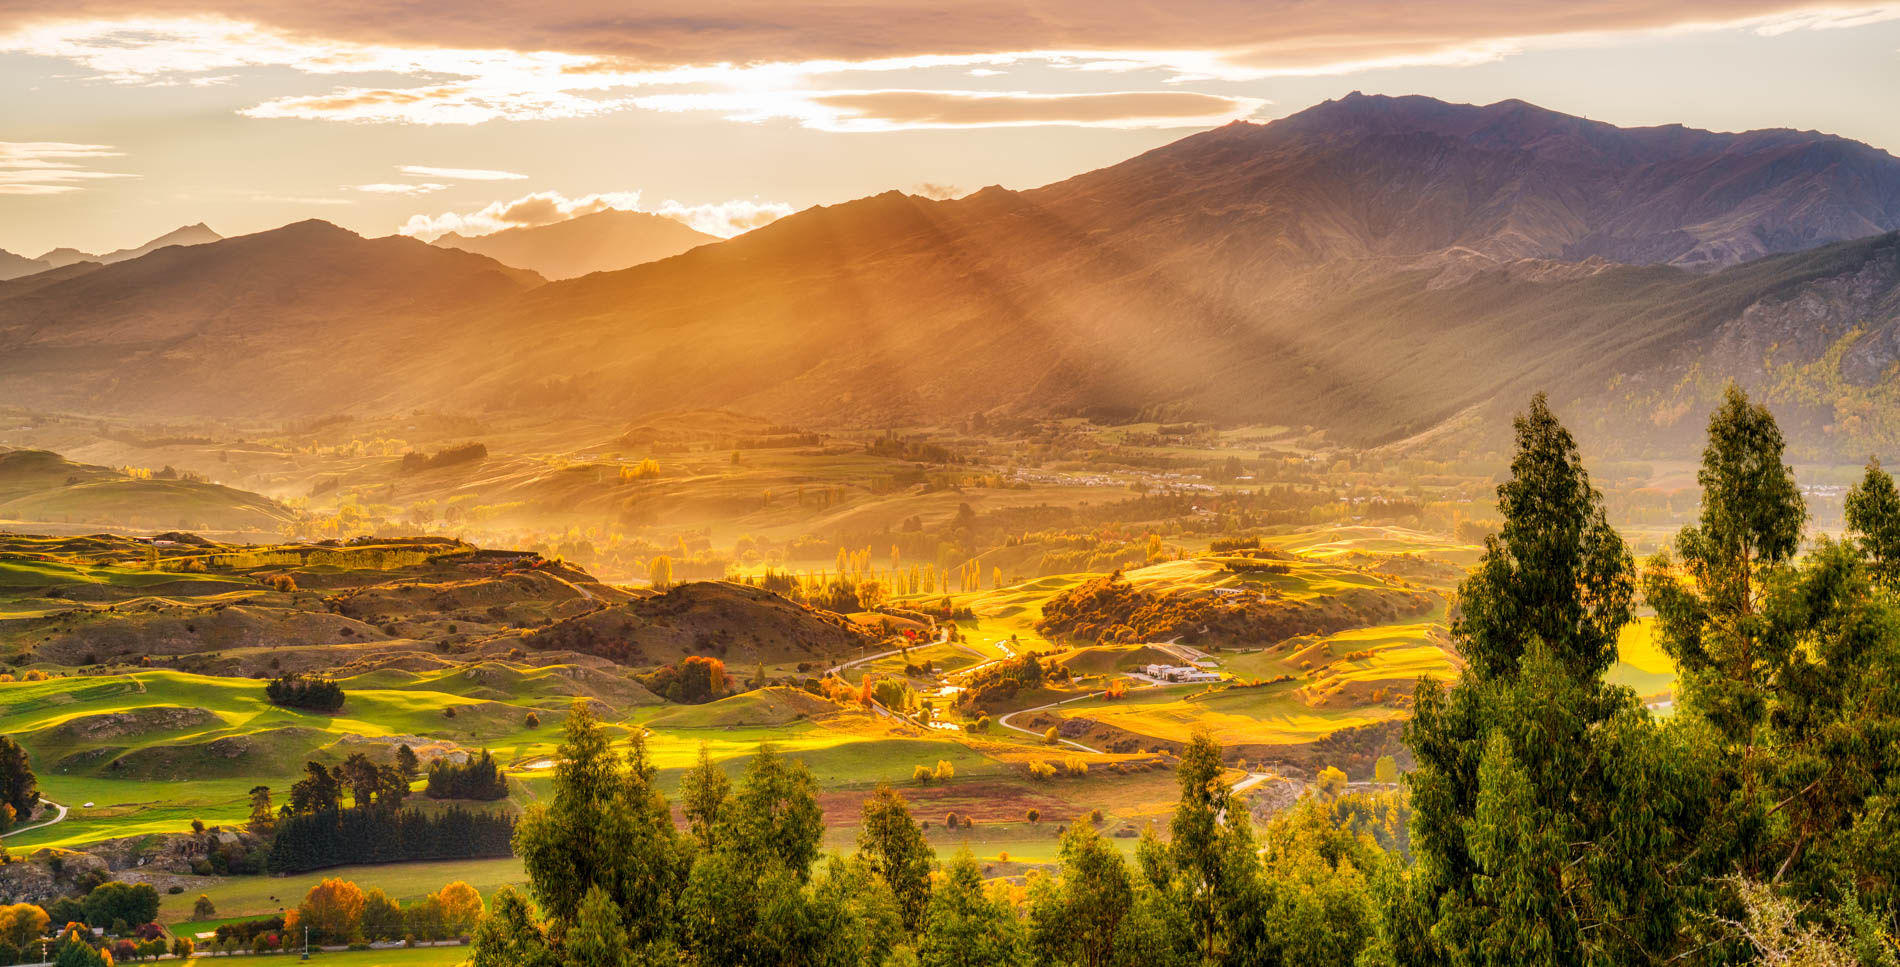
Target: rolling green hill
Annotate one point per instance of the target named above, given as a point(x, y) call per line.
point(41, 487)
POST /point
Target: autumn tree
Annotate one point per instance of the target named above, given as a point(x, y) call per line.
point(333, 911)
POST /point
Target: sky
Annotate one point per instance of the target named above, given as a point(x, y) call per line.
point(124, 119)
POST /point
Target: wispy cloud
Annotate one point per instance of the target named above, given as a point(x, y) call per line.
point(899, 110)
point(400, 188)
point(52, 167)
point(460, 174)
point(725, 219)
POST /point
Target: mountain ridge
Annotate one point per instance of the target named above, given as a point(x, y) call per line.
point(1369, 267)
point(600, 241)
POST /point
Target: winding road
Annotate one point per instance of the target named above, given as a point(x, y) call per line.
point(41, 824)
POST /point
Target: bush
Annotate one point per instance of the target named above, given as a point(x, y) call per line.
point(923, 774)
point(1033, 815)
point(1041, 771)
point(1049, 736)
point(534, 720)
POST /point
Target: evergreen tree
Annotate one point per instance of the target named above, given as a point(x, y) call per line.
point(19, 788)
point(967, 927)
point(1518, 799)
point(1206, 831)
point(1077, 918)
point(1873, 515)
point(606, 827)
point(597, 939)
point(704, 792)
point(894, 847)
point(510, 935)
point(1556, 573)
point(1710, 608)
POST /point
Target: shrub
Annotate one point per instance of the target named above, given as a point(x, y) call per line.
point(1075, 766)
point(1033, 815)
point(1049, 736)
point(945, 770)
point(1041, 771)
point(923, 774)
point(534, 720)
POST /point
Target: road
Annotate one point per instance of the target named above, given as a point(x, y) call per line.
point(1004, 721)
point(49, 822)
point(943, 636)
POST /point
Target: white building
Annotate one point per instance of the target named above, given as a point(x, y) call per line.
point(1179, 673)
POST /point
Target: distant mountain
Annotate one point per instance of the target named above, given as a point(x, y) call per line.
point(1373, 267)
point(304, 318)
point(197, 234)
point(14, 266)
point(600, 242)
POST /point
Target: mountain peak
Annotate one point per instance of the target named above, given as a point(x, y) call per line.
point(596, 242)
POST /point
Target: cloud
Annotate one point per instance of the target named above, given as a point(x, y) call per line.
point(426, 63)
point(725, 219)
point(898, 110)
point(52, 167)
point(400, 188)
point(931, 189)
point(460, 174)
point(665, 34)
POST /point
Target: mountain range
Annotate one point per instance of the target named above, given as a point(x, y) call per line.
point(597, 242)
point(1378, 268)
point(15, 266)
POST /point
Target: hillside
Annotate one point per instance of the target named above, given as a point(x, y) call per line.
point(600, 242)
point(44, 488)
point(280, 322)
point(14, 266)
